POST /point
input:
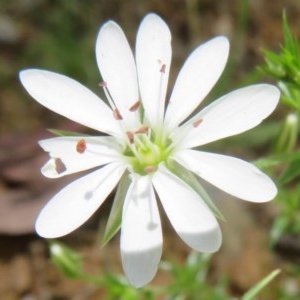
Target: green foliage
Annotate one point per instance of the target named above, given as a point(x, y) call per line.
point(277, 160)
point(67, 47)
point(69, 263)
point(118, 288)
point(66, 260)
point(252, 293)
point(284, 67)
point(59, 132)
point(190, 280)
point(288, 221)
point(287, 138)
point(115, 217)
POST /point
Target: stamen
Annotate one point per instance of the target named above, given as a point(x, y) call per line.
point(130, 136)
point(160, 99)
point(140, 142)
point(81, 146)
point(163, 68)
point(117, 114)
point(197, 123)
point(111, 102)
point(150, 169)
point(59, 166)
point(135, 106)
point(142, 130)
point(135, 152)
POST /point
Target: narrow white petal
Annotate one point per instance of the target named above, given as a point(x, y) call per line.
point(232, 175)
point(117, 66)
point(77, 202)
point(69, 98)
point(153, 58)
point(141, 236)
point(66, 157)
point(198, 75)
point(190, 217)
point(233, 113)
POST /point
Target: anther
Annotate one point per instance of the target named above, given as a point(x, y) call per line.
point(59, 166)
point(163, 68)
point(142, 130)
point(197, 123)
point(135, 106)
point(130, 136)
point(103, 84)
point(117, 114)
point(81, 146)
point(150, 169)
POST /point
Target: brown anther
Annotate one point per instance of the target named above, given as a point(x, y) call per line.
point(81, 146)
point(117, 114)
point(142, 130)
point(59, 166)
point(150, 169)
point(130, 136)
point(135, 106)
point(197, 123)
point(103, 84)
point(163, 68)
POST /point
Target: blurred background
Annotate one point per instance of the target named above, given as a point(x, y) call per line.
point(60, 36)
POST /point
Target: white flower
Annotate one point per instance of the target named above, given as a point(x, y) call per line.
point(150, 144)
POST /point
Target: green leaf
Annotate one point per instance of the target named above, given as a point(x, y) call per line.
point(190, 179)
point(290, 42)
point(69, 263)
point(287, 138)
point(289, 94)
point(259, 286)
point(65, 132)
point(278, 228)
point(275, 160)
point(292, 171)
point(273, 64)
point(115, 217)
point(284, 67)
point(66, 260)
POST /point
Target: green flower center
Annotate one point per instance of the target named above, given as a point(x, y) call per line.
point(145, 151)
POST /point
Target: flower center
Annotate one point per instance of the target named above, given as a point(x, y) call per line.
point(145, 151)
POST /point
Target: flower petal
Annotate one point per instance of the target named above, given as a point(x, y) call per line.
point(233, 113)
point(69, 98)
point(117, 66)
point(198, 75)
point(73, 154)
point(187, 212)
point(77, 202)
point(232, 175)
point(141, 236)
point(153, 59)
